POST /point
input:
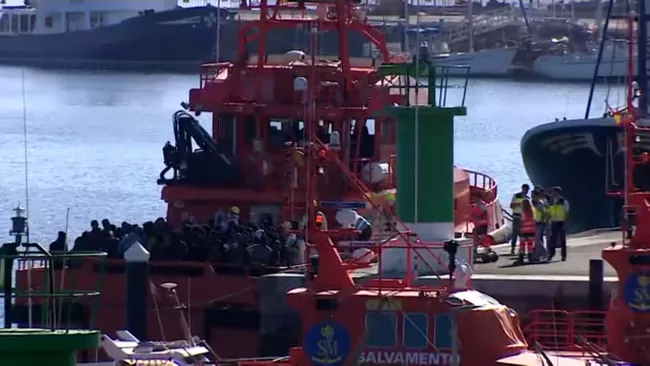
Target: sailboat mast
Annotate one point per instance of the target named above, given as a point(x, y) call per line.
point(642, 56)
point(470, 25)
point(407, 23)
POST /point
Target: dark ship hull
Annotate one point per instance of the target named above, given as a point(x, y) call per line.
point(176, 40)
point(585, 158)
point(180, 38)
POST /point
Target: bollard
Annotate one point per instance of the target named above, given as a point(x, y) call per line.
point(596, 283)
point(8, 249)
point(137, 289)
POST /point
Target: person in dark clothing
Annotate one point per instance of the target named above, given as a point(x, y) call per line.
point(59, 244)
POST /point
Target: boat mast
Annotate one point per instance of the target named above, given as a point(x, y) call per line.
point(642, 56)
point(601, 48)
point(407, 23)
point(470, 24)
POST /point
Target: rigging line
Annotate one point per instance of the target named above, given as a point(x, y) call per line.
point(417, 120)
point(29, 267)
point(610, 5)
point(24, 98)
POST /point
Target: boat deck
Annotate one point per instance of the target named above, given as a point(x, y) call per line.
point(580, 249)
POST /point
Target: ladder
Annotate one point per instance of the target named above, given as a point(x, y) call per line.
point(290, 184)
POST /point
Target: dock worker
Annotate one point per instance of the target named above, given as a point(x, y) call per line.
point(515, 206)
point(526, 232)
point(540, 204)
point(479, 219)
point(558, 211)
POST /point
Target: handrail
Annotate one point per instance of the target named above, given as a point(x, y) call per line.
point(484, 182)
point(559, 329)
point(392, 178)
point(49, 293)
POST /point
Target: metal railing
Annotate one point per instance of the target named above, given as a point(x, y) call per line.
point(56, 292)
point(559, 330)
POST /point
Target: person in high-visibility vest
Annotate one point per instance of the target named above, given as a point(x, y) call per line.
point(526, 232)
point(558, 210)
point(515, 206)
point(541, 219)
point(320, 221)
point(479, 220)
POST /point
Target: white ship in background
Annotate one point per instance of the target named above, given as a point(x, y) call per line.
point(490, 62)
point(580, 66)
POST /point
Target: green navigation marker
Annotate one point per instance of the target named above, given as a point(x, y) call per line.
point(425, 157)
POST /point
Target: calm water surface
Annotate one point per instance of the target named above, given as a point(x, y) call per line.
point(95, 139)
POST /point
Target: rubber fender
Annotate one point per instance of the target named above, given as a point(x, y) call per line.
point(502, 234)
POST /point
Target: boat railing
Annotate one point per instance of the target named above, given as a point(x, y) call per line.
point(483, 183)
point(416, 250)
point(482, 23)
point(210, 72)
point(392, 178)
point(183, 268)
point(57, 292)
point(560, 330)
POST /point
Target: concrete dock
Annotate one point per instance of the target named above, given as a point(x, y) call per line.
point(580, 248)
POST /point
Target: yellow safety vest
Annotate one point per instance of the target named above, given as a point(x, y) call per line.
point(517, 198)
point(540, 211)
point(557, 210)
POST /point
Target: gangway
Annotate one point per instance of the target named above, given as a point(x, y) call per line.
point(482, 23)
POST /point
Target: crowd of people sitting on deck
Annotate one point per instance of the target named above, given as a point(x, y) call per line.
point(225, 239)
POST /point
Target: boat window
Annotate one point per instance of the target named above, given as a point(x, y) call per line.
point(226, 131)
point(24, 23)
point(276, 133)
point(387, 131)
point(442, 337)
point(96, 19)
point(4, 23)
point(250, 129)
point(32, 22)
point(381, 329)
point(14, 23)
point(416, 328)
point(49, 22)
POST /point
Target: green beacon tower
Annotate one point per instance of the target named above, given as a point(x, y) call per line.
point(425, 160)
point(49, 339)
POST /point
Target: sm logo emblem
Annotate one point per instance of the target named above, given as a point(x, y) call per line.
point(636, 292)
point(327, 343)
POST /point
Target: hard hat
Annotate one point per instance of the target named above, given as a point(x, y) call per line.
point(235, 210)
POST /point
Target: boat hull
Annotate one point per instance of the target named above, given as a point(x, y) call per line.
point(564, 68)
point(181, 40)
point(572, 155)
point(586, 159)
point(486, 63)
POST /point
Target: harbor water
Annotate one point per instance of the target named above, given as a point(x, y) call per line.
point(94, 140)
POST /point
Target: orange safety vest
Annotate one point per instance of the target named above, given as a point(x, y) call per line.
point(479, 214)
point(527, 225)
